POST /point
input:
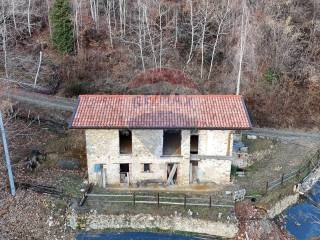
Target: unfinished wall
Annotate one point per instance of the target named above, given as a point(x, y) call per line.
point(103, 148)
point(213, 170)
point(215, 142)
point(102, 145)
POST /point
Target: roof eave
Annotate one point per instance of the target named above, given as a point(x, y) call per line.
point(70, 122)
point(182, 128)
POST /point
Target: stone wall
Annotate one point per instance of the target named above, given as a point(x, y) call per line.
point(215, 142)
point(214, 170)
point(282, 205)
point(147, 221)
point(103, 148)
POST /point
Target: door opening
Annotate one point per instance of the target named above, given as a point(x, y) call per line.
point(194, 172)
point(194, 144)
point(124, 173)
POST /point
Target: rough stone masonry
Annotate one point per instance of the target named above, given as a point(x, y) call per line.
point(212, 163)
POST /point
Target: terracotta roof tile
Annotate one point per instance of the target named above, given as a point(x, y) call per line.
point(161, 111)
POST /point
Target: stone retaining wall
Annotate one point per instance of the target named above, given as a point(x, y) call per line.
point(95, 221)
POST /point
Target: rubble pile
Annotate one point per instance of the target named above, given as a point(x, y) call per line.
point(254, 224)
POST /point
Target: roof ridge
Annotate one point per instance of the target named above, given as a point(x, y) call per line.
point(159, 95)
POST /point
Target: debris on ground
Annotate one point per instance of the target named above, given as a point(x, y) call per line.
point(43, 189)
point(255, 225)
point(34, 160)
point(31, 216)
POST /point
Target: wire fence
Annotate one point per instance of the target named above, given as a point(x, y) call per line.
point(209, 201)
point(311, 163)
point(160, 199)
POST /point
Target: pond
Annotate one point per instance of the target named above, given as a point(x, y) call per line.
point(303, 220)
point(133, 236)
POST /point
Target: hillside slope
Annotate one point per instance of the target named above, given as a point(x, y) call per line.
point(116, 41)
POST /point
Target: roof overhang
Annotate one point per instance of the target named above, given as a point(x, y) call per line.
point(209, 112)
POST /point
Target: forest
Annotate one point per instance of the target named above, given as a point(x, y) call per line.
point(266, 50)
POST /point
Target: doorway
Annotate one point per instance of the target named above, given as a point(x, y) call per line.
point(194, 144)
point(194, 172)
point(172, 173)
point(124, 173)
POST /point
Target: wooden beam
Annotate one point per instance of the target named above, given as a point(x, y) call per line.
point(171, 174)
point(229, 144)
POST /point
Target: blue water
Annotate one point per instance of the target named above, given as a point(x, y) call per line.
point(303, 219)
point(132, 236)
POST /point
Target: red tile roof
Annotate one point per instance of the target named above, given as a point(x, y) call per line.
point(161, 111)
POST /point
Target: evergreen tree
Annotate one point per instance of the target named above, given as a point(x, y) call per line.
point(62, 26)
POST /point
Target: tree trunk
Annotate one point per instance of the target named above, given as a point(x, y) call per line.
point(29, 24)
point(202, 38)
point(217, 38)
point(192, 31)
point(160, 26)
point(38, 70)
point(13, 14)
point(150, 37)
point(140, 37)
point(244, 24)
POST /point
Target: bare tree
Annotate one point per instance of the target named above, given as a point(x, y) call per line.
point(122, 16)
point(13, 14)
point(192, 31)
point(4, 38)
point(124, 10)
point(28, 16)
point(160, 27)
point(203, 36)
point(244, 25)
point(140, 35)
point(176, 29)
point(114, 15)
point(49, 21)
point(77, 21)
point(108, 18)
point(150, 37)
point(223, 19)
point(94, 10)
point(38, 70)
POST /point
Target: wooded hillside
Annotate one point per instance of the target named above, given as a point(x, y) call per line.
point(272, 48)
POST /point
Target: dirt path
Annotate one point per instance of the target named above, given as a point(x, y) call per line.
point(41, 100)
point(284, 134)
point(67, 104)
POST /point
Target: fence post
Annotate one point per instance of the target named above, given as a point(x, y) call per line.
point(158, 199)
point(210, 201)
point(282, 177)
point(185, 201)
point(309, 165)
point(134, 198)
point(267, 186)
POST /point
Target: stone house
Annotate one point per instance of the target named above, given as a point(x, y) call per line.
point(165, 139)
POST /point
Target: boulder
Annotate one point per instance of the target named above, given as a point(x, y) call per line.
point(69, 164)
point(251, 137)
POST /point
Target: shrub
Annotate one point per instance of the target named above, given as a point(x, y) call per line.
point(77, 88)
point(62, 26)
point(271, 76)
